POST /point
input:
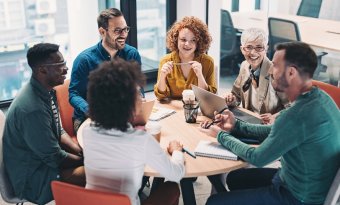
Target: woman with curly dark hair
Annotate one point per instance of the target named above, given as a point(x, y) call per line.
point(115, 153)
point(187, 64)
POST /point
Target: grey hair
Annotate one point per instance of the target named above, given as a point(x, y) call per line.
point(254, 34)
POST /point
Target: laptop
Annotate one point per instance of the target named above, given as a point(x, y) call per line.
point(143, 116)
point(210, 102)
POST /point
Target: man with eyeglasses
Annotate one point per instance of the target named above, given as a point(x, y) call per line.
point(252, 86)
point(36, 150)
point(113, 30)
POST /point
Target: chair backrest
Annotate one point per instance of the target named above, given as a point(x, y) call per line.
point(228, 35)
point(281, 30)
point(65, 108)
point(333, 195)
point(310, 8)
point(6, 188)
point(332, 90)
point(68, 194)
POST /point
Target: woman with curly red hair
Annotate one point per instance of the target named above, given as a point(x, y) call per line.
point(188, 40)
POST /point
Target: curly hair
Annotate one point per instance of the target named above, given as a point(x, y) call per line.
point(195, 25)
point(112, 93)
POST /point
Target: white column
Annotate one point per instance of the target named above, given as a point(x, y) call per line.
point(82, 19)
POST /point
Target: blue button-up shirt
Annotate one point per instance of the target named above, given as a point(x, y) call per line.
point(87, 61)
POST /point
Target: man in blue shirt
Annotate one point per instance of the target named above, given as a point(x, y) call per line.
point(113, 31)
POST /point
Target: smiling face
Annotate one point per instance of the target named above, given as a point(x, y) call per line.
point(111, 38)
point(254, 52)
point(187, 43)
point(56, 69)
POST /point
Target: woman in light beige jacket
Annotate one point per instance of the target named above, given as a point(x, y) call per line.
point(252, 87)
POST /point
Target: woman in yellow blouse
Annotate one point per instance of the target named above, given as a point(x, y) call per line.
point(187, 64)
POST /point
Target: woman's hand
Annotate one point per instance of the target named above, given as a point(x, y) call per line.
point(166, 69)
point(174, 145)
point(230, 99)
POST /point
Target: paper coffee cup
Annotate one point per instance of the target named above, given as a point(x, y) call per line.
point(188, 96)
point(154, 128)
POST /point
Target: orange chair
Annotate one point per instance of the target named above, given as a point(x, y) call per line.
point(68, 194)
point(65, 108)
point(331, 90)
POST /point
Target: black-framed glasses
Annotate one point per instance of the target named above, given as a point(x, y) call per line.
point(119, 31)
point(250, 48)
point(63, 63)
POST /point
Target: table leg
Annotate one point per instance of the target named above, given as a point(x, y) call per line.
point(188, 193)
point(216, 181)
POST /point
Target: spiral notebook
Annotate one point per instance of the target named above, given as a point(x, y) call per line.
point(214, 150)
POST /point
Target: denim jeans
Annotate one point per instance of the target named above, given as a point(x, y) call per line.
point(258, 186)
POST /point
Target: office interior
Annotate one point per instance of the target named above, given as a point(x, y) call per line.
point(72, 24)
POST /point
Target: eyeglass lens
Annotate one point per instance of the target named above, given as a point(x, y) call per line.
point(120, 30)
point(250, 48)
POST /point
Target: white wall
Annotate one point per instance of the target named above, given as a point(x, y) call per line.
point(82, 26)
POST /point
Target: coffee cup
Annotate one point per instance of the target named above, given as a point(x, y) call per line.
point(188, 96)
point(154, 128)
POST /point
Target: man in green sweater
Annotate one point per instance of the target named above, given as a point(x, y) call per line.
point(306, 136)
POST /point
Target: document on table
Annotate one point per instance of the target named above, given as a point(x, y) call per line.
point(214, 150)
point(159, 113)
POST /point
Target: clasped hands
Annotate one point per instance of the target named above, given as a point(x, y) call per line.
point(221, 122)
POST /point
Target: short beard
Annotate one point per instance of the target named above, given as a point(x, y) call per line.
point(281, 84)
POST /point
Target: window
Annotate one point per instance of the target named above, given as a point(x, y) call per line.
point(151, 32)
point(24, 23)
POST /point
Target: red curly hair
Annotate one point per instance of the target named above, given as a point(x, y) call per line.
point(196, 26)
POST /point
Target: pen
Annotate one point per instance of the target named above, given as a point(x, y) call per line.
point(216, 121)
point(181, 63)
point(189, 153)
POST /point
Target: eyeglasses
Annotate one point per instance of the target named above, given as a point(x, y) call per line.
point(119, 31)
point(250, 48)
point(55, 64)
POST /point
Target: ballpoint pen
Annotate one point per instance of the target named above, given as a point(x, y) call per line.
point(189, 153)
point(216, 121)
point(181, 63)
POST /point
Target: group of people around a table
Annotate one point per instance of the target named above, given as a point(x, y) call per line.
point(300, 121)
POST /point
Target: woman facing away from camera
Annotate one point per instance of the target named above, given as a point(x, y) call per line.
point(188, 40)
point(115, 153)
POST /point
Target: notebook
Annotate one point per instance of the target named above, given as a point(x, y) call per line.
point(159, 113)
point(142, 117)
point(214, 150)
point(210, 102)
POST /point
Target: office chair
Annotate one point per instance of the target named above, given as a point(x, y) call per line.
point(230, 48)
point(6, 188)
point(331, 90)
point(65, 109)
point(333, 196)
point(282, 30)
point(310, 8)
point(68, 194)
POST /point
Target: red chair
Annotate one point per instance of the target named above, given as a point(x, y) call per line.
point(331, 90)
point(65, 108)
point(68, 194)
